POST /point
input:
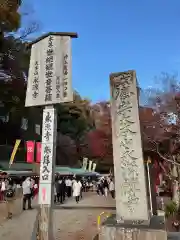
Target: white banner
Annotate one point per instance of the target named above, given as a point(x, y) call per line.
point(85, 162)
point(90, 166)
point(49, 80)
point(94, 167)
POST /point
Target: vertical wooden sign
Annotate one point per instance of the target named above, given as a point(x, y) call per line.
point(49, 83)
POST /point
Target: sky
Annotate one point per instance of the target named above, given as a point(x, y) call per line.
point(114, 36)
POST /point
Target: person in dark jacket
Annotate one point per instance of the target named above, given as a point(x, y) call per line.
point(60, 188)
point(63, 189)
point(9, 198)
point(105, 187)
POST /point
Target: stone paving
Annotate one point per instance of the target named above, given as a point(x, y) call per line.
point(174, 236)
point(81, 219)
point(16, 210)
point(72, 221)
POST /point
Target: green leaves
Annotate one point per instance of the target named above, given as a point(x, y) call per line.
point(10, 18)
point(71, 120)
point(171, 209)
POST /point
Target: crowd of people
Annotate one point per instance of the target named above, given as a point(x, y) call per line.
point(10, 189)
point(68, 187)
point(105, 185)
point(76, 186)
point(64, 188)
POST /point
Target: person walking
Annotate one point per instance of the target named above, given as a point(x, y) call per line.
point(105, 187)
point(60, 191)
point(9, 198)
point(18, 190)
point(63, 189)
point(68, 183)
point(112, 188)
point(35, 190)
point(3, 189)
point(77, 190)
point(55, 193)
point(99, 188)
point(32, 188)
point(81, 191)
point(27, 193)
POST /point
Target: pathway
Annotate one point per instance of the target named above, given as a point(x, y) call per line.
point(72, 221)
point(81, 218)
point(17, 209)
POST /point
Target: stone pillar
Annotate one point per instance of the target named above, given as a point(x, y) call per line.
point(155, 231)
point(132, 220)
point(131, 197)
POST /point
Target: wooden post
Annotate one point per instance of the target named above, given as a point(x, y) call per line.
point(46, 188)
point(49, 83)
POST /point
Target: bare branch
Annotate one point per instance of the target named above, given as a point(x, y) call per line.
point(159, 153)
point(32, 28)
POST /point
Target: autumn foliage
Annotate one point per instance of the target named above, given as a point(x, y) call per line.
point(84, 129)
point(159, 121)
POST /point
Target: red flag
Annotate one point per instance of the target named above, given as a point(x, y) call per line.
point(30, 151)
point(38, 152)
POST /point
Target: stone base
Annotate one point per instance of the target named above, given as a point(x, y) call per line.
point(111, 230)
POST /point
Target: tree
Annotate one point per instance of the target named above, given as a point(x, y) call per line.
point(13, 84)
point(165, 141)
point(66, 150)
point(151, 129)
point(14, 64)
point(10, 17)
point(74, 121)
point(100, 139)
point(164, 115)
